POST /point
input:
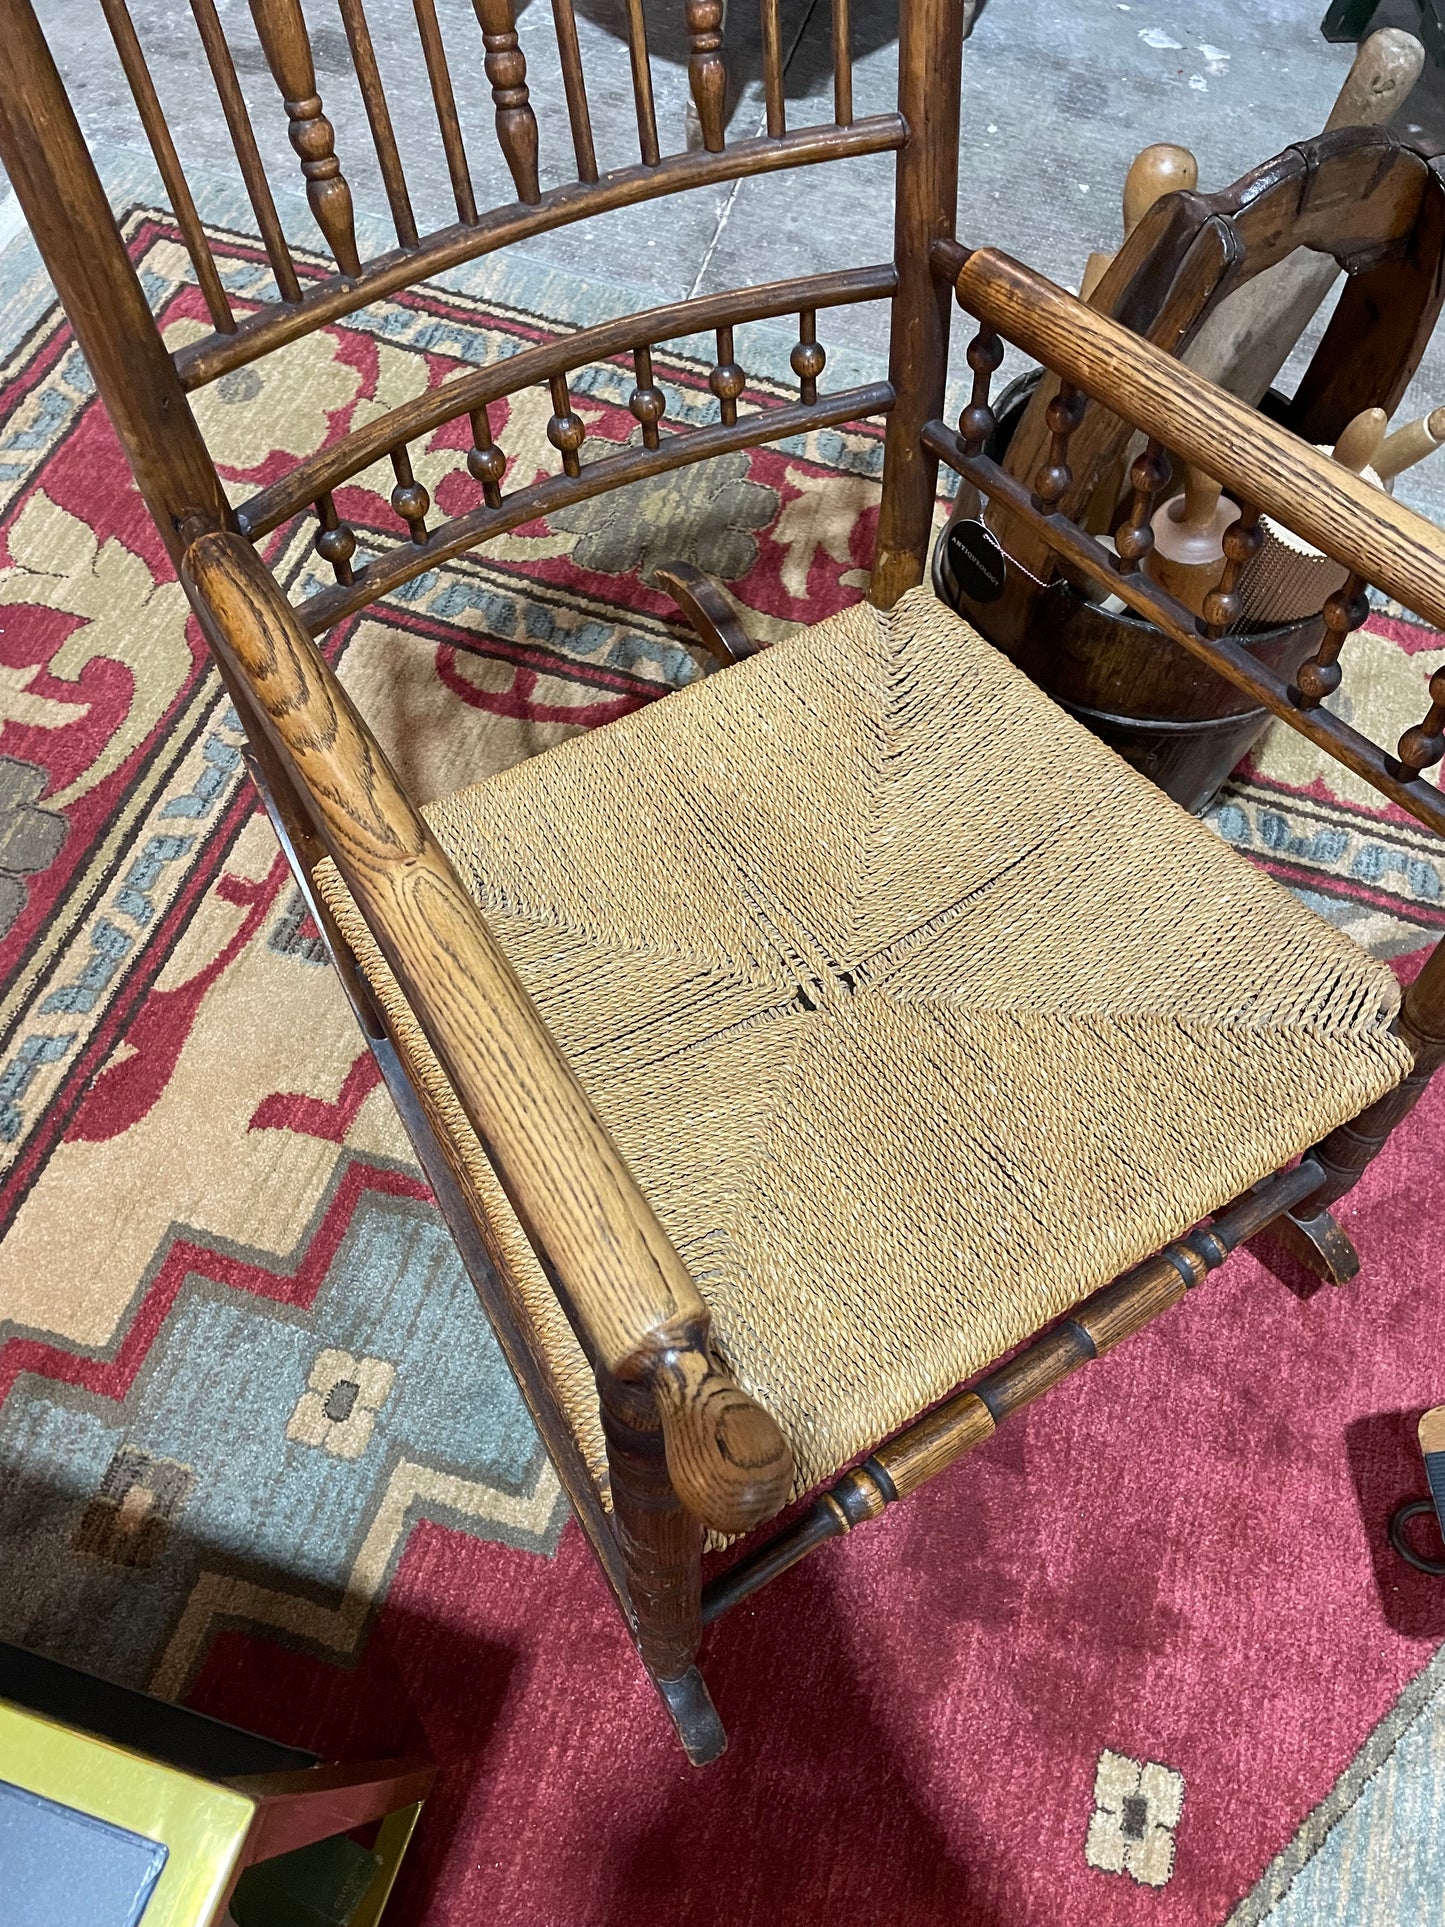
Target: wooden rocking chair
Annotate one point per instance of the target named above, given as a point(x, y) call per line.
point(798, 1048)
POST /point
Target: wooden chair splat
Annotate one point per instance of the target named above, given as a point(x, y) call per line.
point(287, 47)
point(506, 67)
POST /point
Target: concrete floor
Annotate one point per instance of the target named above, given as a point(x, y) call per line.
point(1056, 102)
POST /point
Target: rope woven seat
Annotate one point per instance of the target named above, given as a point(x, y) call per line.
point(917, 1014)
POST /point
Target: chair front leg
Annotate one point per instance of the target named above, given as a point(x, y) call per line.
point(661, 1545)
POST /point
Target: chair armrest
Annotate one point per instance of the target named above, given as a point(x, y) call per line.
point(637, 1311)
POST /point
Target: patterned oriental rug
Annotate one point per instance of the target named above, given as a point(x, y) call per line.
point(1146, 1656)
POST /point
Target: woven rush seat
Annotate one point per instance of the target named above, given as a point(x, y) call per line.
point(917, 1014)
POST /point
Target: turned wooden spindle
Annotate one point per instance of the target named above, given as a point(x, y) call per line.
point(1155, 171)
point(727, 380)
point(506, 68)
point(485, 461)
point(1424, 745)
point(1055, 478)
point(564, 428)
point(706, 69)
point(449, 124)
point(1344, 611)
point(1148, 475)
point(1241, 544)
point(977, 422)
point(642, 84)
point(647, 401)
point(569, 53)
point(409, 499)
point(378, 115)
point(335, 542)
point(842, 64)
point(1412, 443)
point(808, 359)
point(1187, 556)
point(774, 109)
point(287, 47)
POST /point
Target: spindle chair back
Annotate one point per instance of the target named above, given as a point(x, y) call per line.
point(146, 387)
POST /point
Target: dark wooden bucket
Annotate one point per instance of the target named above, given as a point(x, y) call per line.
point(1163, 711)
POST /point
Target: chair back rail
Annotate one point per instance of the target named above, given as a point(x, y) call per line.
point(310, 299)
point(61, 194)
point(1264, 467)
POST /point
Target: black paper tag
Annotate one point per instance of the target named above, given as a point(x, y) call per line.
point(976, 562)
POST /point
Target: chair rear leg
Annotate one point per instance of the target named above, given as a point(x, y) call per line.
point(661, 1546)
point(1310, 1233)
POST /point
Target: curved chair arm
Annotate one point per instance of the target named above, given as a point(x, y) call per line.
point(636, 1309)
point(709, 608)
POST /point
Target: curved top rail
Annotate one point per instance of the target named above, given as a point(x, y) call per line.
point(275, 323)
point(1379, 538)
point(330, 467)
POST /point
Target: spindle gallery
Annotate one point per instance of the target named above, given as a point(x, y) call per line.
point(749, 831)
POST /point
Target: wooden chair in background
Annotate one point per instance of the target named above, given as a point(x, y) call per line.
point(790, 1052)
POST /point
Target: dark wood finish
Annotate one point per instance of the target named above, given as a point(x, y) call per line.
point(842, 63)
point(378, 116)
point(688, 1449)
point(1257, 461)
point(1317, 1241)
point(1226, 655)
point(569, 53)
point(248, 155)
point(642, 84)
point(439, 74)
point(148, 106)
point(930, 57)
point(709, 608)
point(773, 106)
point(506, 67)
point(943, 1435)
point(332, 466)
point(287, 47)
point(59, 191)
point(706, 69)
point(271, 327)
point(389, 571)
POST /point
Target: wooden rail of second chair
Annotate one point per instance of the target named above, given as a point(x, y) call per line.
point(1264, 468)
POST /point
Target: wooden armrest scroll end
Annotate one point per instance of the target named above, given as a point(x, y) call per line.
point(729, 1463)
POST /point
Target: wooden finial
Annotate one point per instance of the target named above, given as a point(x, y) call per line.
point(1187, 556)
point(1154, 171)
point(1410, 444)
point(1359, 444)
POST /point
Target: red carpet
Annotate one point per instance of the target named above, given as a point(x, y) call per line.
point(1179, 1556)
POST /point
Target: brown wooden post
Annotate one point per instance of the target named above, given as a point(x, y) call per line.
point(1345, 1153)
point(60, 192)
point(930, 66)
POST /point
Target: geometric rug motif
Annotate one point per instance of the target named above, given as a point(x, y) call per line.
point(257, 1446)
